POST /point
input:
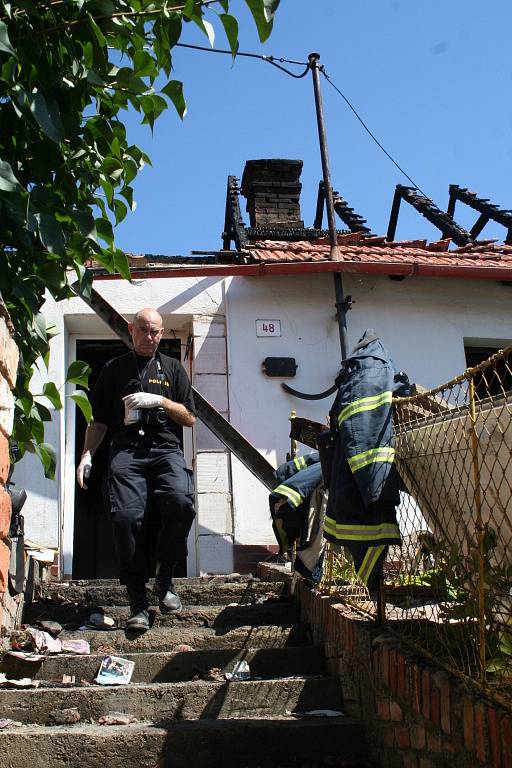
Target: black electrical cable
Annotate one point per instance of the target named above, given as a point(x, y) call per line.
point(269, 59)
point(272, 60)
point(369, 132)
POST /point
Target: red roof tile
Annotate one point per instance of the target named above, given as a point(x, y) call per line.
point(356, 247)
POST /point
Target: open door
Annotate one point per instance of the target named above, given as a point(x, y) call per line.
point(94, 552)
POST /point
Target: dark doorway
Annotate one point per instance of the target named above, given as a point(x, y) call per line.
point(493, 381)
point(94, 554)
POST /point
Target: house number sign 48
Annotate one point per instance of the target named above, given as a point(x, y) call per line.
point(268, 327)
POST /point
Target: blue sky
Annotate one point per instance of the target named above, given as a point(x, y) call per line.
point(432, 78)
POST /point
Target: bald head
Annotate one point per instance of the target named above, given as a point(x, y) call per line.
point(148, 315)
point(146, 331)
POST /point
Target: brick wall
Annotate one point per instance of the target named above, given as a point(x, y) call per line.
point(272, 189)
point(8, 367)
point(415, 714)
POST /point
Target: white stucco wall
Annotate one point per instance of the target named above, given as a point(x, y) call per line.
point(178, 300)
point(423, 322)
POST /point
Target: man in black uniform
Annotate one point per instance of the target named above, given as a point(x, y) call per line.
point(146, 399)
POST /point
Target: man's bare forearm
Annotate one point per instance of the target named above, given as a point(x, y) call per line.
point(94, 435)
point(178, 413)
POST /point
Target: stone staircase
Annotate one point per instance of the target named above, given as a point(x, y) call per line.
point(184, 711)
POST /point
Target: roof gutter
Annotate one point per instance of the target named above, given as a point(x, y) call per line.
point(262, 269)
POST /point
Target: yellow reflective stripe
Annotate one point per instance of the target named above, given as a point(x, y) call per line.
point(293, 496)
point(300, 462)
point(361, 532)
point(372, 456)
point(369, 562)
point(365, 404)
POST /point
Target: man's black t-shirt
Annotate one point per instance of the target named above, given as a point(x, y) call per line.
point(161, 375)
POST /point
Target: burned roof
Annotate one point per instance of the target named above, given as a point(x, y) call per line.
point(357, 247)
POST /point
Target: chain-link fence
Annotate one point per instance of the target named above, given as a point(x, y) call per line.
point(448, 588)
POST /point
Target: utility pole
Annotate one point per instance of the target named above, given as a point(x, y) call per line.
point(342, 303)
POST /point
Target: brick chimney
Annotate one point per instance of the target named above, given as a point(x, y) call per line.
point(272, 189)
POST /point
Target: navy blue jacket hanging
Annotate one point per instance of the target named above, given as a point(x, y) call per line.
point(289, 501)
point(364, 489)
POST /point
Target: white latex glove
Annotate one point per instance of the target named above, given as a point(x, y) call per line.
point(84, 469)
point(143, 400)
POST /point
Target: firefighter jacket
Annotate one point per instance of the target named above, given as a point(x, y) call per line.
point(364, 488)
point(290, 468)
point(289, 501)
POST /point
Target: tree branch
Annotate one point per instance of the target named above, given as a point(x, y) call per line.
point(126, 14)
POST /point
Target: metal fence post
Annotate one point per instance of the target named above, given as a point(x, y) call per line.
point(480, 532)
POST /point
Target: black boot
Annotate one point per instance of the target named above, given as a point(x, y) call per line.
point(139, 616)
point(169, 601)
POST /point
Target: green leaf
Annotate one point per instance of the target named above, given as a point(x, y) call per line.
point(85, 277)
point(8, 181)
point(121, 264)
point(173, 29)
point(43, 412)
point(230, 25)
point(100, 37)
point(127, 193)
point(46, 453)
point(83, 403)
point(5, 43)
point(263, 14)
point(46, 113)
point(85, 221)
point(39, 326)
point(121, 210)
point(25, 402)
point(50, 232)
point(52, 393)
point(143, 64)
point(78, 373)
point(189, 9)
point(36, 426)
point(152, 107)
point(174, 90)
point(104, 229)
point(206, 28)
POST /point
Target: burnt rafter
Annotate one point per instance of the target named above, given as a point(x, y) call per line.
point(443, 221)
point(288, 234)
point(485, 208)
point(353, 220)
point(234, 227)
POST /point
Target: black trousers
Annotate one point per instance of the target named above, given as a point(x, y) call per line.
point(140, 471)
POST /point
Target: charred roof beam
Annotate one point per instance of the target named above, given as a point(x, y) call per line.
point(485, 208)
point(353, 220)
point(234, 227)
point(424, 205)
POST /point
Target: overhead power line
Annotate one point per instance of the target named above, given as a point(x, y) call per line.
point(278, 61)
point(369, 132)
point(269, 59)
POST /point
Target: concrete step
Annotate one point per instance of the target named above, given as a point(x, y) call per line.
point(167, 638)
point(180, 701)
point(173, 667)
point(274, 611)
point(231, 578)
point(190, 744)
point(210, 593)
